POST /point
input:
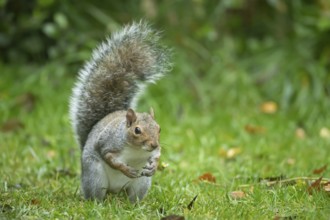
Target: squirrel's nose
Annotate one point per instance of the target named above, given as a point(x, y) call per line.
point(154, 145)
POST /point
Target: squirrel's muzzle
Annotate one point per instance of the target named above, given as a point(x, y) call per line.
point(154, 145)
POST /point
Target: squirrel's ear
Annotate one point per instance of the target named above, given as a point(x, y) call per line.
point(130, 117)
point(152, 113)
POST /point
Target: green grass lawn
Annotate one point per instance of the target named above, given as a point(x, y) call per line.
point(210, 124)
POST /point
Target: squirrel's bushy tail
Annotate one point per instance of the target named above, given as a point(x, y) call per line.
point(112, 79)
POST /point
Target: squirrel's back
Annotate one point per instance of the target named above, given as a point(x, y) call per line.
point(117, 72)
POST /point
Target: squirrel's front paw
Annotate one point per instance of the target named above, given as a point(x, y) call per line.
point(132, 173)
point(149, 170)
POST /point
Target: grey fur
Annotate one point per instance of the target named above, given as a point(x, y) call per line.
point(98, 178)
point(119, 69)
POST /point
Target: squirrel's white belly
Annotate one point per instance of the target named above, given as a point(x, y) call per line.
point(133, 158)
point(116, 179)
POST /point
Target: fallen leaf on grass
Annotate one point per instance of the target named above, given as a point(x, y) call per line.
point(190, 205)
point(326, 187)
point(325, 133)
point(320, 170)
point(300, 133)
point(230, 153)
point(208, 177)
point(35, 202)
point(12, 125)
point(268, 107)
point(173, 217)
point(316, 185)
point(237, 195)
point(253, 129)
point(290, 161)
point(277, 217)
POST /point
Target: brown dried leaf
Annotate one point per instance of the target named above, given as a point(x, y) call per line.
point(253, 129)
point(12, 125)
point(278, 217)
point(173, 217)
point(207, 177)
point(268, 107)
point(237, 195)
point(316, 185)
point(35, 202)
point(320, 170)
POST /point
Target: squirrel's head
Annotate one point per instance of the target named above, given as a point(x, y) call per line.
point(142, 130)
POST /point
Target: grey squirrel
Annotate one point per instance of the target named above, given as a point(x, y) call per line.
point(120, 147)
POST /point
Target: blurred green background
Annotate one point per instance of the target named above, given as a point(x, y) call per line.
point(247, 99)
point(282, 45)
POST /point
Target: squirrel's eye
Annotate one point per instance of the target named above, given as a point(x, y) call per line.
point(137, 130)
